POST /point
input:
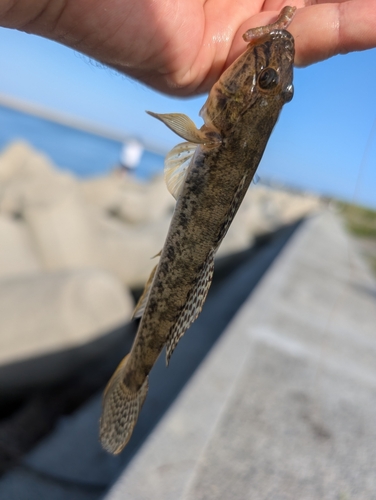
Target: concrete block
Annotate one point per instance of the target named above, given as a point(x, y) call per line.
point(56, 311)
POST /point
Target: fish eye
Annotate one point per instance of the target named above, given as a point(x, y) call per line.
point(268, 79)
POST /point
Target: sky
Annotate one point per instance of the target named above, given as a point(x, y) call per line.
point(324, 141)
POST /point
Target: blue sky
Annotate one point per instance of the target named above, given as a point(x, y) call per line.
point(325, 140)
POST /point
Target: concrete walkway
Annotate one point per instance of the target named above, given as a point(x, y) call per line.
point(69, 464)
point(284, 408)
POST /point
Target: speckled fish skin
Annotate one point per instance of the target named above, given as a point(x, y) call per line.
point(242, 109)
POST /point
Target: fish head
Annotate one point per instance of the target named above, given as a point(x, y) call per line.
point(260, 81)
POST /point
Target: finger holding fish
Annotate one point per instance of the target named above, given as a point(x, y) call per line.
point(283, 21)
point(321, 29)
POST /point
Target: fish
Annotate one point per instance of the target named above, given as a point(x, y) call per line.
point(209, 175)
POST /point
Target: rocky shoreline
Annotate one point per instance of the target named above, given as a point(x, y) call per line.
point(72, 249)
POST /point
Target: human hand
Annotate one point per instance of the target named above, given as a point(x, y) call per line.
point(181, 47)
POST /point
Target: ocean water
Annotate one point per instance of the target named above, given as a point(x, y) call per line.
point(84, 153)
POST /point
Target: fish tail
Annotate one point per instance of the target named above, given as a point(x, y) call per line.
point(121, 407)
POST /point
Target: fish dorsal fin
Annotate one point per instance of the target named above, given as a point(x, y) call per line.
point(141, 304)
point(183, 126)
point(176, 165)
point(193, 306)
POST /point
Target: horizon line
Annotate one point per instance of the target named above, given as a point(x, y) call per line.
point(72, 121)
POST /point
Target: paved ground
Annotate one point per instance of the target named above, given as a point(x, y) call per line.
point(282, 408)
point(69, 464)
point(285, 405)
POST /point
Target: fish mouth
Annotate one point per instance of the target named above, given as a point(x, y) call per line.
point(282, 35)
point(287, 43)
point(285, 48)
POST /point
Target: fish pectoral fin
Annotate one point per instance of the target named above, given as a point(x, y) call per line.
point(192, 307)
point(141, 304)
point(177, 162)
point(183, 126)
point(121, 407)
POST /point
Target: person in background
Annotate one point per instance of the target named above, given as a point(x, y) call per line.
point(130, 156)
point(182, 47)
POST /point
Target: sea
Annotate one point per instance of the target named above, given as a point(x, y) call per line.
point(85, 153)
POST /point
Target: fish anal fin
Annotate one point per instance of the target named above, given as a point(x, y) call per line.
point(157, 254)
point(192, 307)
point(141, 304)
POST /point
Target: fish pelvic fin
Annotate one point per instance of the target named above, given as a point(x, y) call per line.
point(177, 162)
point(192, 307)
point(121, 408)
